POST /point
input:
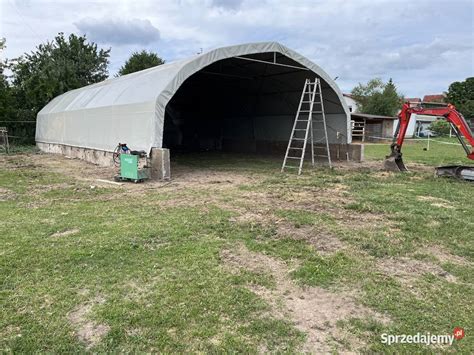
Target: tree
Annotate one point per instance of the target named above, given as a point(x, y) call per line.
point(7, 102)
point(461, 95)
point(377, 97)
point(50, 70)
point(140, 61)
point(440, 127)
point(56, 67)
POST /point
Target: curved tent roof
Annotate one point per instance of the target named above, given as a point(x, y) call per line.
point(98, 116)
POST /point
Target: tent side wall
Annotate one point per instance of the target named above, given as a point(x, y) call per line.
point(101, 115)
point(104, 127)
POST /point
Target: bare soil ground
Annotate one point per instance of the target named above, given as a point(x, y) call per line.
point(88, 331)
point(181, 174)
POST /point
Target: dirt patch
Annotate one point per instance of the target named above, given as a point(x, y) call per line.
point(65, 233)
point(9, 333)
point(218, 179)
point(334, 207)
point(334, 194)
point(259, 208)
point(445, 257)
point(134, 332)
point(436, 201)
point(139, 290)
point(350, 165)
point(324, 242)
point(183, 176)
point(384, 174)
point(262, 218)
point(442, 205)
point(329, 202)
point(6, 194)
point(87, 331)
point(83, 292)
point(312, 310)
point(407, 270)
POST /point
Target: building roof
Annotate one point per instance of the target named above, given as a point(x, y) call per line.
point(412, 99)
point(373, 117)
point(434, 98)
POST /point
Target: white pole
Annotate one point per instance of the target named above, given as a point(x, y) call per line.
point(428, 147)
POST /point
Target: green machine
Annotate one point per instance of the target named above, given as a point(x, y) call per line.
point(130, 162)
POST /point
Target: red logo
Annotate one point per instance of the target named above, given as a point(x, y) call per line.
point(458, 333)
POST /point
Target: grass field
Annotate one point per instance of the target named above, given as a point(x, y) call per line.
point(234, 256)
point(439, 151)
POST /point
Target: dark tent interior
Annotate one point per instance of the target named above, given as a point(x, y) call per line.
point(244, 104)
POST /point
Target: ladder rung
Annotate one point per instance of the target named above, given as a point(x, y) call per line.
point(304, 117)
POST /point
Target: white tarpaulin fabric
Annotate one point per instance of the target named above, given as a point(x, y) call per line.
point(131, 108)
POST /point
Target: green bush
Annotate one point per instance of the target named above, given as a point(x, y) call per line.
point(440, 127)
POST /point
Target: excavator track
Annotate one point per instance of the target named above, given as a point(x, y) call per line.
point(463, 172)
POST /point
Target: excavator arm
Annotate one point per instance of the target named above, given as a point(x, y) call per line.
point(394, 161)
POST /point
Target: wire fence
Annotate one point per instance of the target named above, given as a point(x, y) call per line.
point(427, 139)
point(20, 132)
point(17, 135)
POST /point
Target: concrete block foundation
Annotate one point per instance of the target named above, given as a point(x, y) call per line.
point(354, 152)
point(160, 164)
point(98, 157)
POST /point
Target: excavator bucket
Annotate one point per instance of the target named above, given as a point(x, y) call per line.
point(394, 162)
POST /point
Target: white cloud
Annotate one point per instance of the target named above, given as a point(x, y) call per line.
point(119, 31)
point(227, 4)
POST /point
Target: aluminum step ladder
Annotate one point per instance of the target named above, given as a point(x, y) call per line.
point(305, 125)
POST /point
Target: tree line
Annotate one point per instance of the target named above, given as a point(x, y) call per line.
point(379, 98)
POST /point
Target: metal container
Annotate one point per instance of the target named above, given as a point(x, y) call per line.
point(129, 168)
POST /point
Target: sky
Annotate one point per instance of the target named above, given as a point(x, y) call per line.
point(424, 45)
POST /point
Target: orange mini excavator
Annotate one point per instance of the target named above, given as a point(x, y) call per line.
point(394, 161)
